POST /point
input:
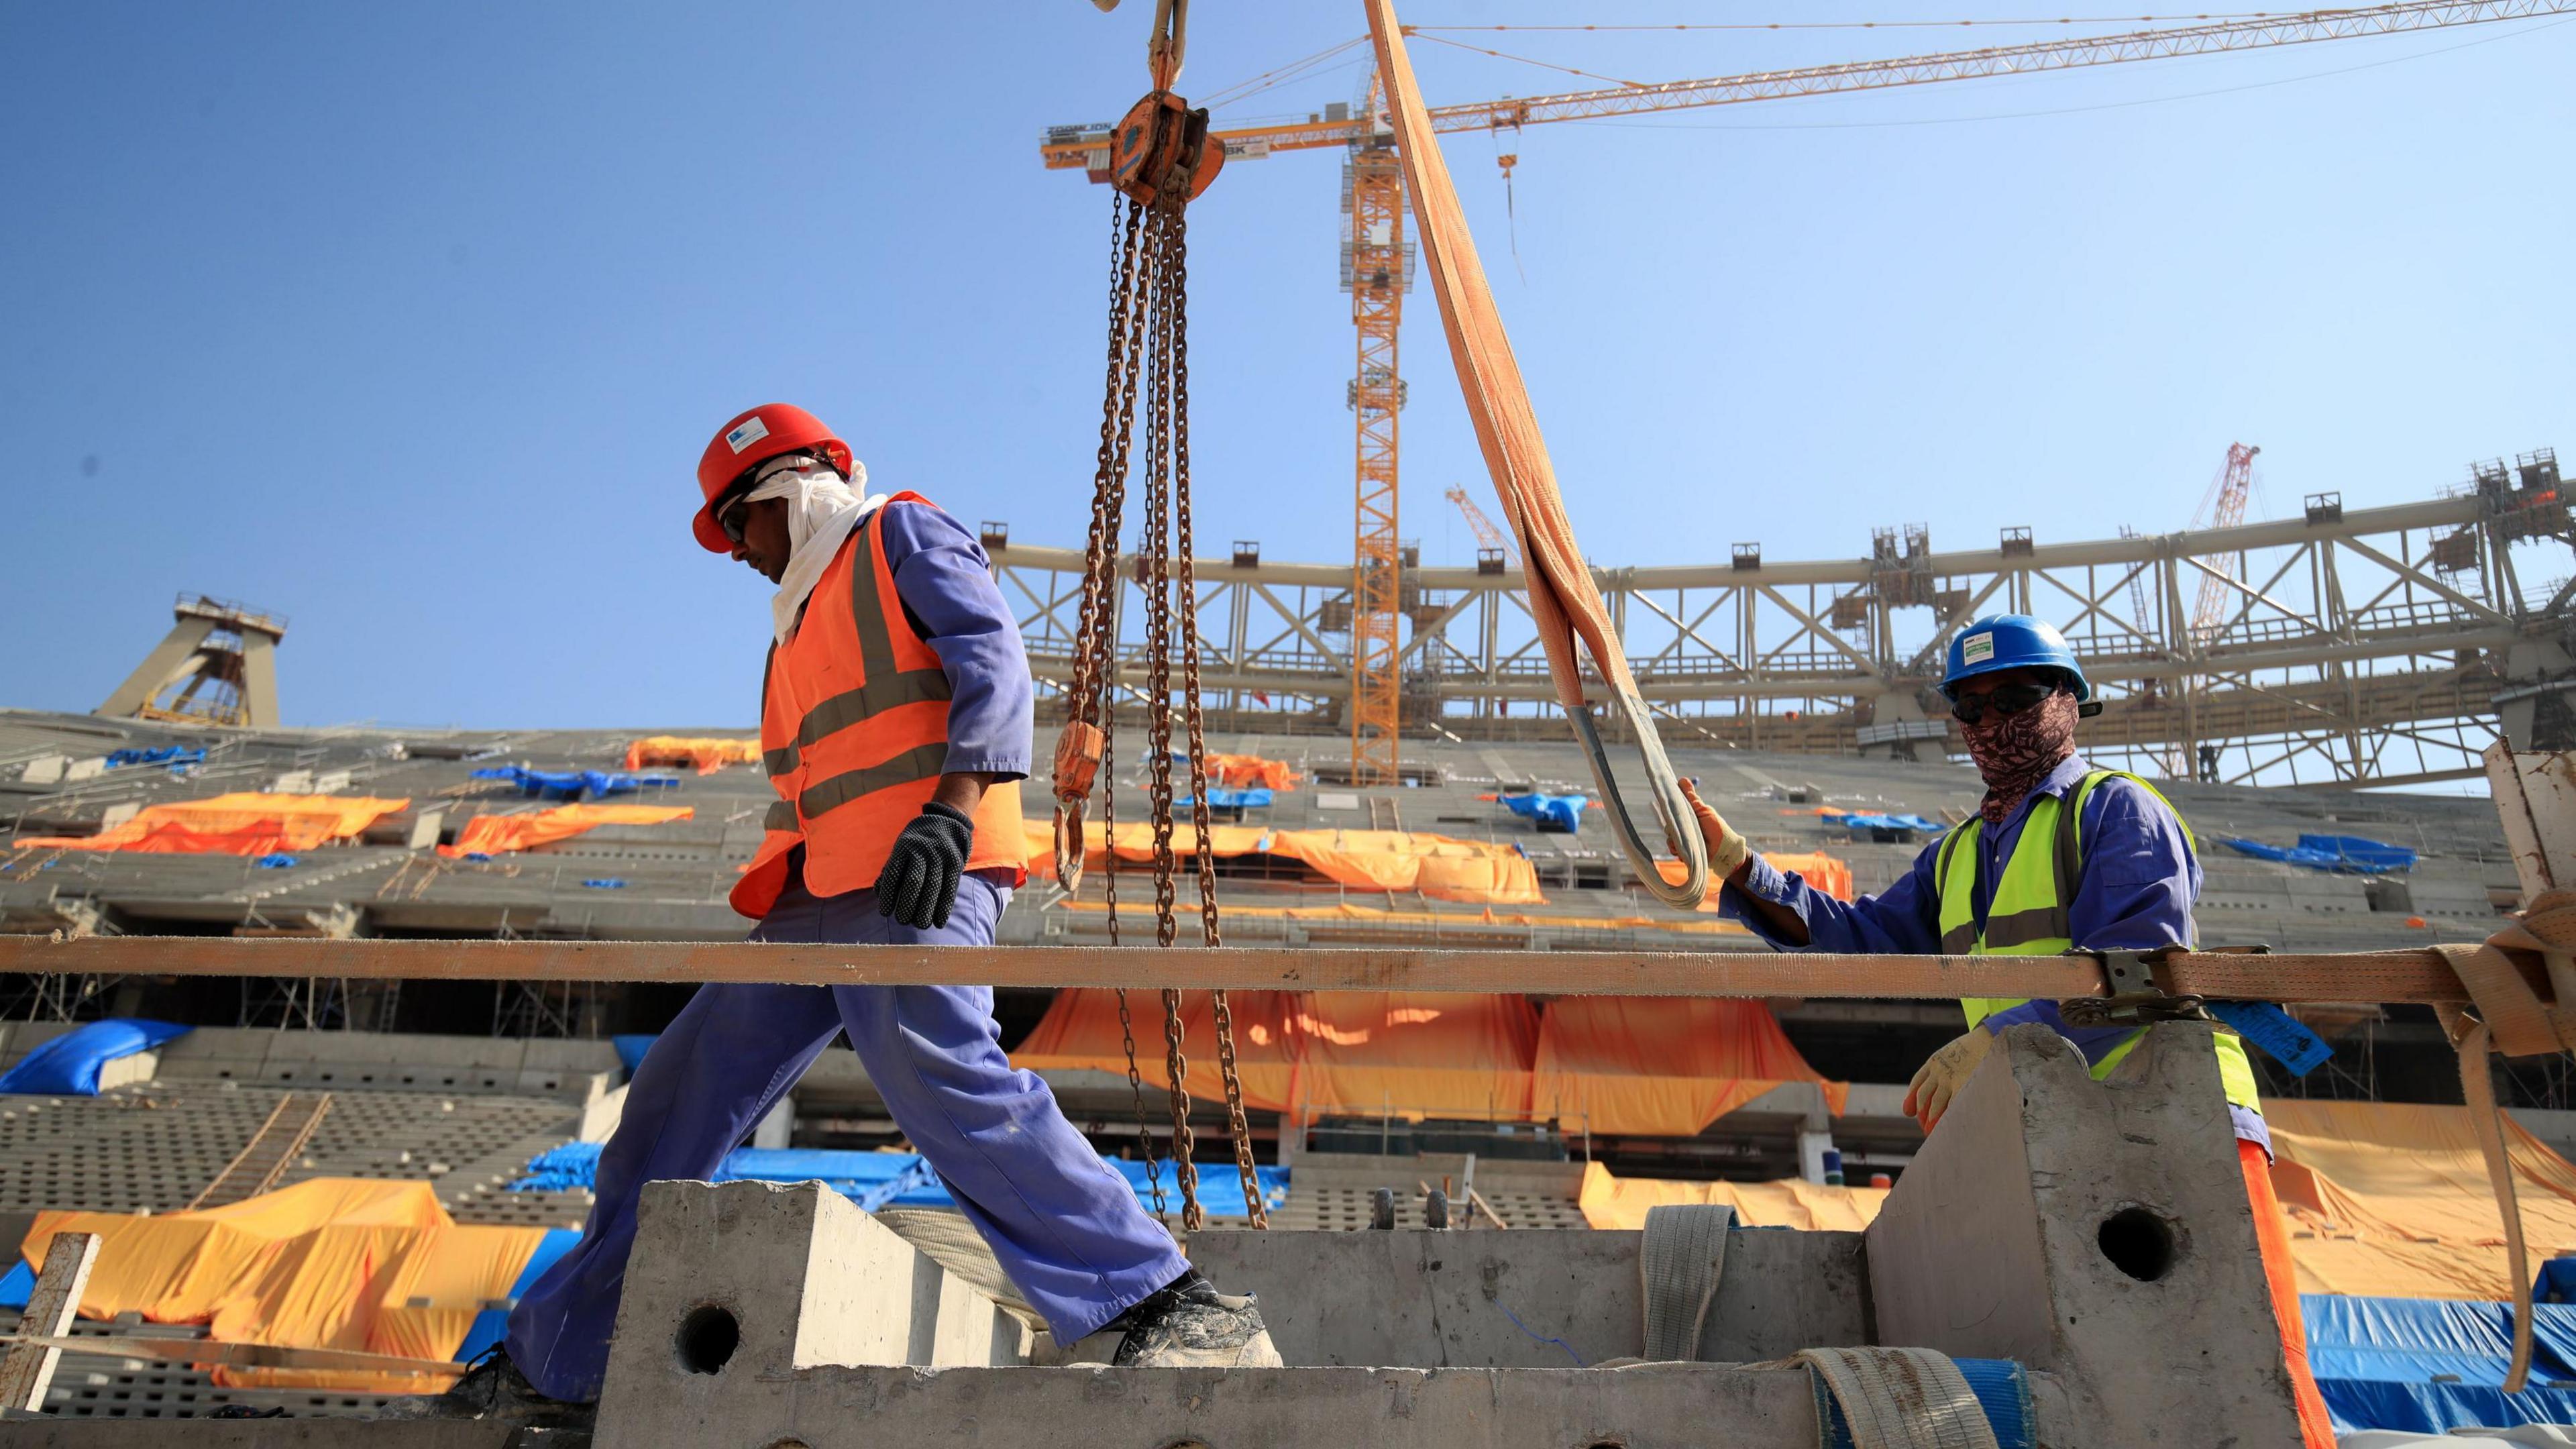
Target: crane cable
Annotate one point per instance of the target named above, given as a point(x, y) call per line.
point(1564, 600)
point(1161, 159)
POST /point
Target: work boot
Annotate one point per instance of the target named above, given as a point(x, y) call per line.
point(1188, 1324)
point(494, 1389)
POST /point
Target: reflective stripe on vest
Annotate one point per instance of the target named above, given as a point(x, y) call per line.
point(2029, 914)
point(882, 686)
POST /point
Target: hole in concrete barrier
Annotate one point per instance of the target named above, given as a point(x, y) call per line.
point(2138, 1243)
point(707, 1338)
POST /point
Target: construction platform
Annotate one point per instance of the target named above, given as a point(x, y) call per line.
point(2084, 1248)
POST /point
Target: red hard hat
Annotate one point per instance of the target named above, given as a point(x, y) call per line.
point(751, 439)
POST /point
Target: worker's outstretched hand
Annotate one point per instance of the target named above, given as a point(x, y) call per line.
point(919, 882)
point(1938, 1083)
point(1726, 849)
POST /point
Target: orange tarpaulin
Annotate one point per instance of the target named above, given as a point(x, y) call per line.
point(238, 824)
point(1439, 866)
point(328, 1263)
point(1451, 1055)
point(1367, 1052)
point(1080, 1031)
point(706, 755)
point(1621, 1202)
point(1823, 872)
point(2392, 1200)
point(1663, 1067)
point(1251, 771)
point(493, 834)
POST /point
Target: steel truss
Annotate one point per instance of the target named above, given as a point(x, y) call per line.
point(2361, 647)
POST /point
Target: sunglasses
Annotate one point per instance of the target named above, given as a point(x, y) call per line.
point(2009, 699)
point(729, 517)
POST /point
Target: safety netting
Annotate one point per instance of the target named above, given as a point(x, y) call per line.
point(338, 1263)
point(704, 754)
point(495, 834)
point(1614, 1064)
point(244, 823)
point(1440, 867)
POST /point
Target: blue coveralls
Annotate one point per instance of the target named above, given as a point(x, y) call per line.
point(1066, 1228)
point(2135, 893)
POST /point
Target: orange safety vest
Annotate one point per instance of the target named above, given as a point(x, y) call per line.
point(854, 735)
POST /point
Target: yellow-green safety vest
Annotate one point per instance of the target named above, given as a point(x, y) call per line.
point(2029, 914)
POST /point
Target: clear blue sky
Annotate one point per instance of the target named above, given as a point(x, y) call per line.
point(410, 320)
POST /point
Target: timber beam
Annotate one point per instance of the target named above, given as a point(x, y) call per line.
point(2381, 977)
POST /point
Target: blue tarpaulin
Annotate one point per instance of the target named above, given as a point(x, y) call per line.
point(275, 862)
point(631, 1048)
point(1549, 812)
point(177, 757)
point(1253, 799)
point(2377, 1361)
point(2557, 1282)
point(68, 1065)
point(574, 784)
point(892, 1179)
point(605, 883)
point(492, 1323)
point(2341, 854)
point(1858, 820)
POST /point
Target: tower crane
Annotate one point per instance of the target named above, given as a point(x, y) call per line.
point(1489, 539)
point(1377, 265)
point(2222, 507)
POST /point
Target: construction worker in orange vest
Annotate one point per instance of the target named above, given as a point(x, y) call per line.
point(895, 725)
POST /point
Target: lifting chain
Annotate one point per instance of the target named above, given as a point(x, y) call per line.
point(1161, 158)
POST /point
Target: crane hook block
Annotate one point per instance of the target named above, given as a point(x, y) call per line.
point(1161, 146)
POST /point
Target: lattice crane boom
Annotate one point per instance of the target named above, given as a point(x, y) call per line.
point(1087, 147)
point(1487, 535)
point(2223, 507)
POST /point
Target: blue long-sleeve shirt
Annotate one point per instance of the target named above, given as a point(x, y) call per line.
point(946, 584)
point(2133, 892)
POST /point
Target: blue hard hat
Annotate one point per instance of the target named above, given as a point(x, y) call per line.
point(2011, 641)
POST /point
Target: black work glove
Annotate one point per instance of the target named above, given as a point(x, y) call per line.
point(919, 883)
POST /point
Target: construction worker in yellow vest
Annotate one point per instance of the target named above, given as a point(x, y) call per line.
point(2059, 856)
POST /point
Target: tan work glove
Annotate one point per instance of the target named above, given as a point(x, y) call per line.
point(1726, 849)
point(1937, 1084)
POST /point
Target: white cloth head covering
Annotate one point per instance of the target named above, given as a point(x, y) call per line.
point(821, 511)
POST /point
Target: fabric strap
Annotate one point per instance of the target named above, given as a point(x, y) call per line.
point(1902, 1398)
point(1683, 1258)
point(2510, 1019)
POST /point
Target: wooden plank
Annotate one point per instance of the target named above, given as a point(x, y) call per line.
point(2375, 976)
point(235, 1355)
point(27, 1370)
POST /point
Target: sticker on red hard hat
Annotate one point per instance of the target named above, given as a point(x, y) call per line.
point(751, 431)
point(1975, 649)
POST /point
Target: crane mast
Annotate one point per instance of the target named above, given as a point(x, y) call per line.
point(1376, 272)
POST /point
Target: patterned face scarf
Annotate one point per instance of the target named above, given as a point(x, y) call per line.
point(2014, 752)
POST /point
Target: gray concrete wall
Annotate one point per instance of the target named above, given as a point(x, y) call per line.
point(1426, 1299)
